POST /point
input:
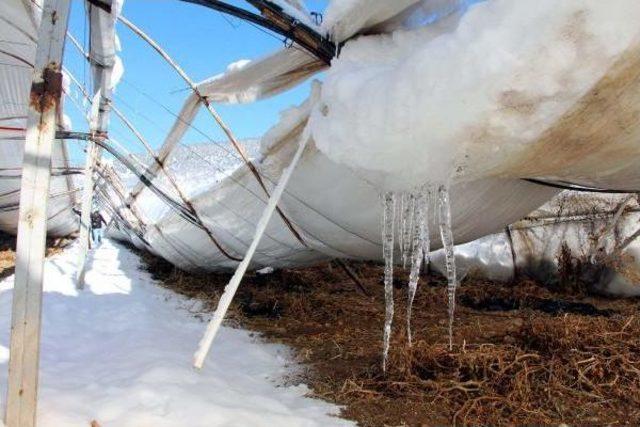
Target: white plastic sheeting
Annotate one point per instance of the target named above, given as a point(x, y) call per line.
point(18, 29)
point(333, 196)
point(285, 68)
point(18, 20)
point(334, 203)
point(345, 18)
point(586, 132)
point(261, 78)
point(335, 209)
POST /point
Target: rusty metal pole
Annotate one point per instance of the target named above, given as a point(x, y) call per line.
point(46, 90)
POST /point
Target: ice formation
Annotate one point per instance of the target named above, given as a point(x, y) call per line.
point(406, 226)
point(451, 97)
point(408, 215)
point(420, 221)
point(426, 243)
point(444, 219)
point(388, 225)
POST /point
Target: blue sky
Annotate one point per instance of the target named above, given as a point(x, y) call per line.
point(203, 42)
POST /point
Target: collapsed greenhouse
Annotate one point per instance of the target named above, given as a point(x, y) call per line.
point(509, 127)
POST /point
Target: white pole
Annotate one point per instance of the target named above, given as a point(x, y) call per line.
point(102, 56)
point(232, 286)
point(85, 213)
point(46, 90)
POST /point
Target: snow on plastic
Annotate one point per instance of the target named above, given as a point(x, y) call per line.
point(459, 98)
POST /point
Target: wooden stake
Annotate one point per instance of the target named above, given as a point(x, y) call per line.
point(353, 276)
point(46, 90)
point(232, 286)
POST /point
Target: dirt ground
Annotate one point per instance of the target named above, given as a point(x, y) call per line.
point(8, 252)
point(523, 354)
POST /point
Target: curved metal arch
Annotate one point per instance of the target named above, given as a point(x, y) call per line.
point(273, 18)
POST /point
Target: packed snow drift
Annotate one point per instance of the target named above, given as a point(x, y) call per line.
point(119, 352)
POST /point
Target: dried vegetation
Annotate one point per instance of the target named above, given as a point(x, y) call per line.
point(8, 252)
point(524, 354)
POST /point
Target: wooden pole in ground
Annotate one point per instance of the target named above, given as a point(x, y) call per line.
point(232, 286)
point(102, 57)
point(85, 211)
point(46, 90)
point(352, 275)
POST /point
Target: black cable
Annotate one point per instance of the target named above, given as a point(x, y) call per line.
point(181, 210)
point(275, 19)
point(563, 185)
point(237, 157)
point(53, 174)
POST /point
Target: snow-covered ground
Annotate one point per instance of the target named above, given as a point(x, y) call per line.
point(120, 353)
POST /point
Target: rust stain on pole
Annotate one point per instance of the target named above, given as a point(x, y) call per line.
point(45, 94)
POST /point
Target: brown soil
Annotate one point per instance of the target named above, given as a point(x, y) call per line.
point(8, 251)
point(523, 354)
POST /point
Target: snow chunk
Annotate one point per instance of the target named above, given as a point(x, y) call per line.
point(406, 105)
point(344, 18)
point(290, 119)
point(238, 65)
point(264, 271)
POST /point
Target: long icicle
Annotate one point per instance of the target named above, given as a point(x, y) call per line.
point(419, 230)
point(407, 228)
point(388, 222)
point(444, 215)
point(426, 243)
point(399, 221)
point(432, 206)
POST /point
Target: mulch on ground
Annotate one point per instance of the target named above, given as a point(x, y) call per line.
point(523, 354)
point(8, 251)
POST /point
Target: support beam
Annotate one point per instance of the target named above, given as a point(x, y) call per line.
point(352, 275)
point(111, 177)
point(234, 283)
point(275, 19)
point(85, 211)
point(46, 90)
point(186, 116)
point(87, 136)
point(102, 58)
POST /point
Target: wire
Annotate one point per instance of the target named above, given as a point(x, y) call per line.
point(13, 42)
point(237, 157)
point(577, 187)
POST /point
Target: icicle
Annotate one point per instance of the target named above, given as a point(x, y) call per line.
point(388, 222)
point(407, 228)
point(444, 215)
point(426, 243)
point(417, 244)
point(399, 212)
